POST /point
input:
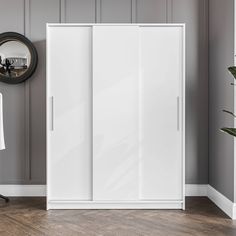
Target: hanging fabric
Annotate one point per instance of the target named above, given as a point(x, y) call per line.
point(2, 141)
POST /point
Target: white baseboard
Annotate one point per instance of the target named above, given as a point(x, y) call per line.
point(215, 196)
point(196, 190)
point(222, 202)
point(234, 212)
point(190, 190)
point(23, 190)
point(40, 190)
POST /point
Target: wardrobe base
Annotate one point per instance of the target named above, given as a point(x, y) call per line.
point(58, 204)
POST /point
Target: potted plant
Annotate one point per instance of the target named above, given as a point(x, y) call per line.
point(231, 131)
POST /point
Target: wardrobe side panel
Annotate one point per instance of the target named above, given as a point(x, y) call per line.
point(161, 64)
point(69, 113)
point(115, 113)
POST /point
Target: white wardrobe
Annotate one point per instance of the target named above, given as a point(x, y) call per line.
point(115, 116)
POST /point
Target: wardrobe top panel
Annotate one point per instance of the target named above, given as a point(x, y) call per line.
point(98, 24)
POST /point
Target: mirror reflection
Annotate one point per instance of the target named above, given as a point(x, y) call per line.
point(14, 59)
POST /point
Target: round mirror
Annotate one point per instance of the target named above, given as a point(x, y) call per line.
point(18, 58)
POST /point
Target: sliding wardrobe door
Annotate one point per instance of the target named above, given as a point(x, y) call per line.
point(69, 99)
point(115, 112)
point(161, 127)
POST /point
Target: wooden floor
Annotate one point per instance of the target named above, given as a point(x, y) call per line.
point(27, 216)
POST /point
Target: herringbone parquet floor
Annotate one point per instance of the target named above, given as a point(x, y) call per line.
point(27, 216)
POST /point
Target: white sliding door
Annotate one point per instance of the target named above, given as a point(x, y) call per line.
point(161, 73)
point(115, 116)
point(115, 113)
point(69, 89)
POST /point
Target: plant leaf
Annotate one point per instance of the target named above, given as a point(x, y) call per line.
point(229, 112)
point(231, 131)
point(232, 70)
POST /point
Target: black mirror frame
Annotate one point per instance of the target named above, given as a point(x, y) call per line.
point(13, 36)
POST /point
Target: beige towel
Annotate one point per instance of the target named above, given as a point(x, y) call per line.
point(2, 142)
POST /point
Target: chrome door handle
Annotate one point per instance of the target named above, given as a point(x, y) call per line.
point(178, 126)
point(52, 113)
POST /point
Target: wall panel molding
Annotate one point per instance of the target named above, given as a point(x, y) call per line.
point(98, 11)
point(12, 159)
point(113, 11)
point(169, 11)
point(27, 99)
point(62, 16)
point(194, 14)
point(134, 11)
point(24, 160)
point(74, 11)
point(151, 11)
point(38, 13)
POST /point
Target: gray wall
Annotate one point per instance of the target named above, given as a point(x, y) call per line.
point(24, 104)
point(221, 95)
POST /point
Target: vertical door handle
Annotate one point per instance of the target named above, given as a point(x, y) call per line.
point(52, 113)
point(178, 113)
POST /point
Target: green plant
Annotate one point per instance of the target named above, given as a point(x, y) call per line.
point(231, 131)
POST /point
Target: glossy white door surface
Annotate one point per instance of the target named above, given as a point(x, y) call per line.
point(69, 102)
point(161, 73)
point(115, 113)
